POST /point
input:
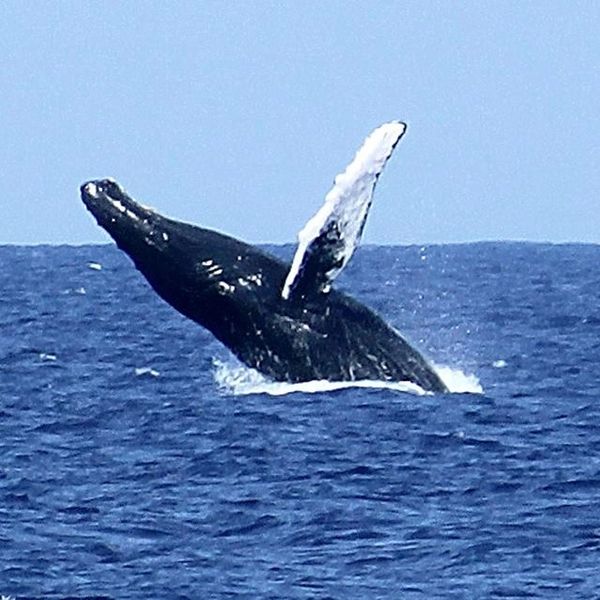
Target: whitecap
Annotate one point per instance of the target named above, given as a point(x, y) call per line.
point(80, 291)
point(146, 371)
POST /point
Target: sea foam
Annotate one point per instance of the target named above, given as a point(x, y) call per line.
point(239, 380)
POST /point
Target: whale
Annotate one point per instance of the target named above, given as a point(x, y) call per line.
point(287, 321)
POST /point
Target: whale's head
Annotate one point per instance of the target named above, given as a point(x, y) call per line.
point(111, 205)
point(130, 224)
point(192, 268)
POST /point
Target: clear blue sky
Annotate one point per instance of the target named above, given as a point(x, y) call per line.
point(237, 115)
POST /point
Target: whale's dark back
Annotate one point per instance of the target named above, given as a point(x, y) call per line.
point(234, 290)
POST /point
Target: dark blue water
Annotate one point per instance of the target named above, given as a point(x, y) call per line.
point(126, 472)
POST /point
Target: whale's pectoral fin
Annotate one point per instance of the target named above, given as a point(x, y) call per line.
point(328, 240)
point(324, 255)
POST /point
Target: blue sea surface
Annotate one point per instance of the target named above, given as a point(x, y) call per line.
point(129, 468)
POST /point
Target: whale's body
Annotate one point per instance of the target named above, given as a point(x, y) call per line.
point(285, 322)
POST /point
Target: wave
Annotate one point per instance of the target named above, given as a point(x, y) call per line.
point(239, 380)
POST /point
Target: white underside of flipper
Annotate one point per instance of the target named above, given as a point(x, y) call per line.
point(346, 207)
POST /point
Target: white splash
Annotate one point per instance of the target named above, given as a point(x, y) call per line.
point(459, 382)
point(95, 266)
point(240, 381)
point(48, 357)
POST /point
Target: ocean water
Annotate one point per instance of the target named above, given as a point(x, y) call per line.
point(138, 460)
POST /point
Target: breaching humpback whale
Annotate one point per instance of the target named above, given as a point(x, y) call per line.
point(285, 321)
